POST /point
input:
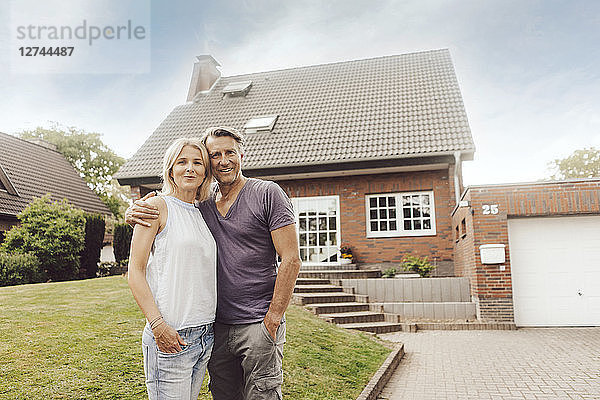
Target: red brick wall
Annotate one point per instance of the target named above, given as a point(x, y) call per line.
point(352, 191)
point(135, 192)
point(464, 249)
point(491, 287)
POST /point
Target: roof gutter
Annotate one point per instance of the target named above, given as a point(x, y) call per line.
point(466, 155)
point(457, 172)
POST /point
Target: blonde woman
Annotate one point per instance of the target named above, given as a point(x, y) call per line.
point(172, 275)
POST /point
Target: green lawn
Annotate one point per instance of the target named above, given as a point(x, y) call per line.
point(81, 340)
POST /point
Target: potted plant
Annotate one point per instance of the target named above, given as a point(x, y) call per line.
point(346, 254)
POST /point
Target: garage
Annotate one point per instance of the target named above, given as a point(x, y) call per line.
point(555, 267)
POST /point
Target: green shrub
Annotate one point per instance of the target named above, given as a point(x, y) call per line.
point(122, 242)
point(54, 233)
point(107, 268)
point(389, 273)
point(94, 236)
point(17, 269)
point(417, 264)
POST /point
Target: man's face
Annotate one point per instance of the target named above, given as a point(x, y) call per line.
point(225, 158)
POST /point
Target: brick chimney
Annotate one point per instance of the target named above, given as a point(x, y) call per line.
point(204, 76)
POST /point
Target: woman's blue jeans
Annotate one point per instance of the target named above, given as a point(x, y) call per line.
point(177, 375)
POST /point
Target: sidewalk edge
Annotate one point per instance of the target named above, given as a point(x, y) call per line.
point(383, 374)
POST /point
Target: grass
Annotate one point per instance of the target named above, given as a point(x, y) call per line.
point(81, 340)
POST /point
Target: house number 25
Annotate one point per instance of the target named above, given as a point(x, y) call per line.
point(490, 209)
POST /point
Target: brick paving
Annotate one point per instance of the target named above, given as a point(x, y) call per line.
point(542, 363)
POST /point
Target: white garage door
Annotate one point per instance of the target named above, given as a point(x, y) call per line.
point(555, 270)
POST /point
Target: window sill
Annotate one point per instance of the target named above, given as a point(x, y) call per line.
point(398, 235)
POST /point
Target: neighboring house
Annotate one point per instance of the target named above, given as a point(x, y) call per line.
point(370, 151)
point(532, 251)
point(29, 170)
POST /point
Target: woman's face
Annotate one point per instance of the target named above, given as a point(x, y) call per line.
point(188, 171)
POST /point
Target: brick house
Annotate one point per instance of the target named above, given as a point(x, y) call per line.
point(370, 151)
point(30, 170)
point(540, 260)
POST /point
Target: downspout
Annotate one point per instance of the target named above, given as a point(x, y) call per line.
point(457, 168)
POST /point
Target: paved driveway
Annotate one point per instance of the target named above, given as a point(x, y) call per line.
point(542, 363)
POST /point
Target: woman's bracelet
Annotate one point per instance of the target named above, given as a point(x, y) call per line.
point(156, 321)
point(156, 334)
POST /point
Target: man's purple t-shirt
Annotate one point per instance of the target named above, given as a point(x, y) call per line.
point(246, 256)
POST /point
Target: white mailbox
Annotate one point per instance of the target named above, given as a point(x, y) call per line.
point(492, 253)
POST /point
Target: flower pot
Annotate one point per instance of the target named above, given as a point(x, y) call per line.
point(345, 261)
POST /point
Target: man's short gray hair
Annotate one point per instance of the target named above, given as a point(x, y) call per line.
point(220, 131)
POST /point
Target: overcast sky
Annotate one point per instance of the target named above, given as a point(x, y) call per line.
point(529, 71)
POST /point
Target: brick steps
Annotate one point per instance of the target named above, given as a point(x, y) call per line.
point(312, 281)
point(374, 327)
point(353, 317)
point(312, 298)
point(331, 308)
point(315, 291)
point(332, 274)
point(341, 267)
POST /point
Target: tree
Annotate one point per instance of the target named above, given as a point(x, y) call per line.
point(54, 232)
point(122, 243)
point(580, 164)
point(95, 162)
point(90, 255)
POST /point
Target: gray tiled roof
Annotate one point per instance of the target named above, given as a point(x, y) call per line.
point(35, 170)
point(381, 108)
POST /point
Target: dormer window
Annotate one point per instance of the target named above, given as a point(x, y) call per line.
point(237, 88)
point(5, 183)
point(260, 124)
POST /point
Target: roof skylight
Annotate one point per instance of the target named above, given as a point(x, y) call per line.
point(260, 124)
point(237, 88)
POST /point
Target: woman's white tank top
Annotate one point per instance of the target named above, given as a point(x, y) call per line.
point(182, 268)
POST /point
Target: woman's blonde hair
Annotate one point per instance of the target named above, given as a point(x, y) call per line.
point(169, 159)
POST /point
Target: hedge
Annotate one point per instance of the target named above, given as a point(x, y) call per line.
point(94, 236)
point(17, 269)
point(122, 242)
point(54, 232)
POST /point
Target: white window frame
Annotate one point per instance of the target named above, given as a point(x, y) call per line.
point(400, 231)
point(236, 88)
point(295, 201)
point(264, 123)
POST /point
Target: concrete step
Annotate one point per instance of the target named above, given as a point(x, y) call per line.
point(313, 298)
point(317, 289)
point(347, 274)
point(431, 310)
point(312, 281)
point(374, 327)
point(331, 308)
point(329, 267)
point(353, 317)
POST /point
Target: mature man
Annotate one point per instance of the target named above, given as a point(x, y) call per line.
point(252, 221)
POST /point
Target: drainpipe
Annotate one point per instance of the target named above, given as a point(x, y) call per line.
point(457, 168)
